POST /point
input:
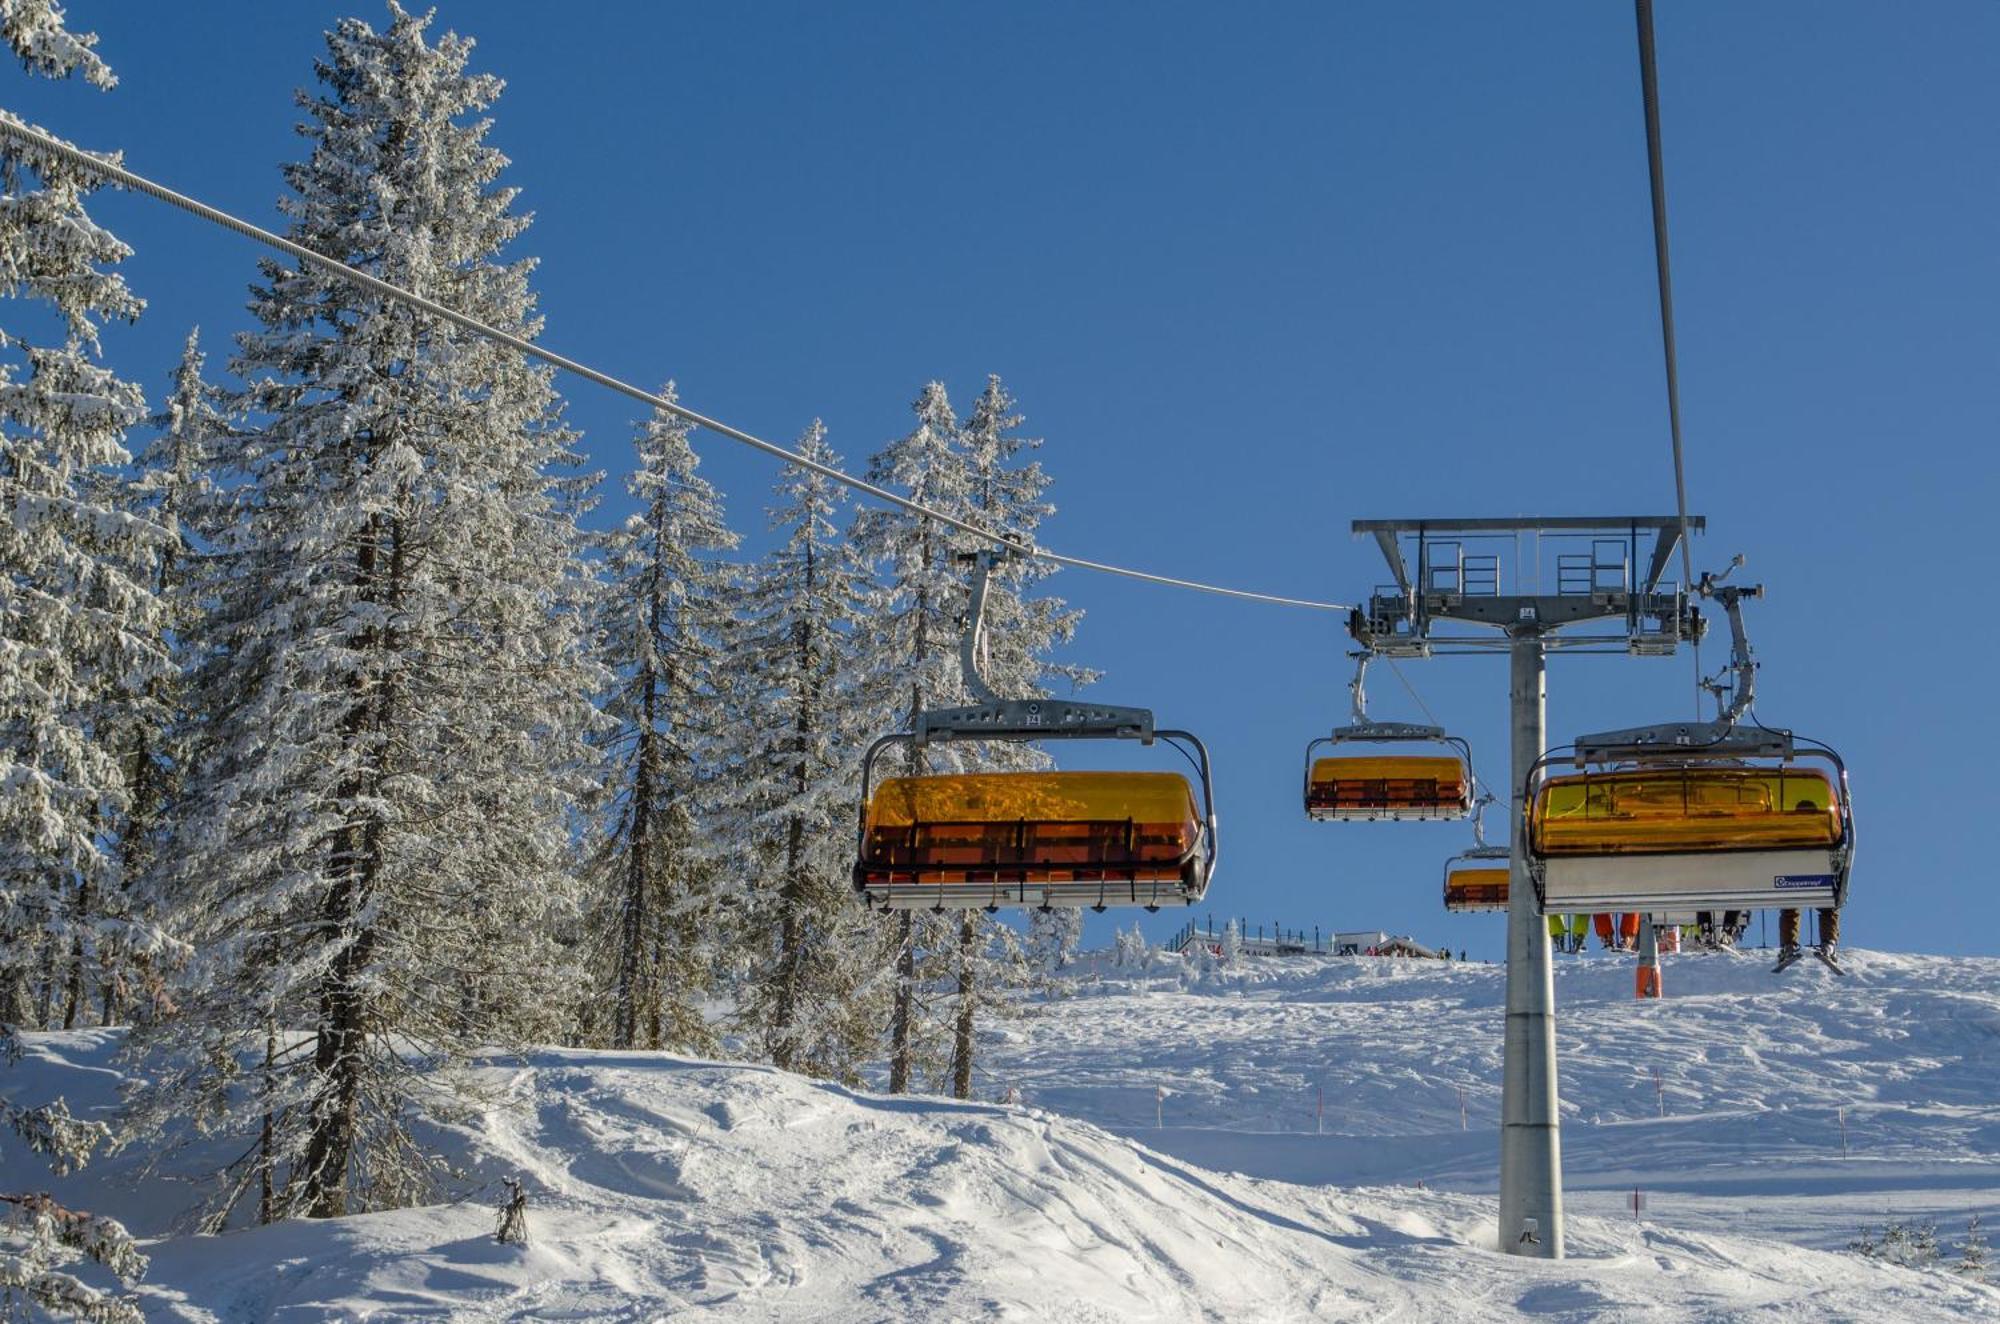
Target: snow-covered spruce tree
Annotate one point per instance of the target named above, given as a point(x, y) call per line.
point(1006, 493)
point(1973, 1252)
point(1053, 937)
point(1231, 955)
point(78, 621)
point(661, 620)
point(40, 1239)
point(371, 855)
point(817, 976)
point(175, 492)
point(911, 663)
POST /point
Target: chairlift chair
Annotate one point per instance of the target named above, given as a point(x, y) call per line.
point(1380, 785)
point(1693, 816)
point(1471, 886)
point(1032, 839)
point(1476, 879)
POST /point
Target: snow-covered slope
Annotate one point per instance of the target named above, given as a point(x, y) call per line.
point(662, 1186)
point(1756, 1077)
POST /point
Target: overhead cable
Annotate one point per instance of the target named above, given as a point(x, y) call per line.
point(28, 136)
point(1649, 83)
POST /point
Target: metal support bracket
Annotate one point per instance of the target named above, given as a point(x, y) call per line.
point(1683, 740)
point(1033, 719)
point(995, 718)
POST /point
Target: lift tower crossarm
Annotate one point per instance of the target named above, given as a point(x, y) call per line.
point(1438, 577)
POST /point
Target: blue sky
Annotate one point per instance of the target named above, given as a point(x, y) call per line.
point(1255, 272)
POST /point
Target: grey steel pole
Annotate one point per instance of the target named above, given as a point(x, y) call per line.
point(1531, 1221)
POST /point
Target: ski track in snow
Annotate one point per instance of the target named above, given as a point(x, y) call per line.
point(662, 1187)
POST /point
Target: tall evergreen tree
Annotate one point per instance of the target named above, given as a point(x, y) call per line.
point(912, 638)
point(78, 619)
point(1053, 936)
point(662, 619)
point(1005, 493)
point(174, 490)
point(374, 842)
point(814, 990)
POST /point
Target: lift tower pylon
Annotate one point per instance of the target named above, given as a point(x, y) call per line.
point(1603, 570)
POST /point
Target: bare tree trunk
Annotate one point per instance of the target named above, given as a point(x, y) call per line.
point(337, 1059)
point(961, 1042)
point(339, 1051)
point(902, 1046)
point(15, 997)
point(45, 994)
point(790, 973)
point(265, 1135)
point(782, 1039)
point(73, 986)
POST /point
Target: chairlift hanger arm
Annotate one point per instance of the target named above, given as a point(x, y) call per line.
point(1723, 738)
point(1363, 727)
point(1742, 663)
point(995, 717)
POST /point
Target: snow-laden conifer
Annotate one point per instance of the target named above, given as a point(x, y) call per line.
point(78, 620)
point(1005, 491)
point(40, 1239)
point(372, 854)
point(975, 470)
point(912, 664)
point(817, 965)
point(661, 620)
point(173, 489)
point(1973, 1252)
point(1053, 937)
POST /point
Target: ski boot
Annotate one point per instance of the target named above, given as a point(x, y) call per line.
point(1788, 956)
point(1825, 954)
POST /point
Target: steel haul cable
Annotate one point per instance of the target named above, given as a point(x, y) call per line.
point(1649, 85)
point(25, 135)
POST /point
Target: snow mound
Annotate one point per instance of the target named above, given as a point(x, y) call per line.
point(661, 1186)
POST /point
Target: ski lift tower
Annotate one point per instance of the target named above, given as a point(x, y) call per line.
point(1527, 586)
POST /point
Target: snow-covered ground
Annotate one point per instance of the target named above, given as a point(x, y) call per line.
point(1756, 1076)
point(668, 1187)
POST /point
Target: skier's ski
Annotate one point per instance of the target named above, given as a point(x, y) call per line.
point(1788, 958)
point(1826, 959)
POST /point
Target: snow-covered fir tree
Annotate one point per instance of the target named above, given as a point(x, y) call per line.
point(1130, 950)
point(40, 1240)
point(1231, 953)
point(1973, 1252)
point(79, 627)
point(818, 977)
point(1053, 937)
point(912, 664)
point(662, 620)
point(174, 490)
point(1005, 493)
point(372, 854)
point(971, 470)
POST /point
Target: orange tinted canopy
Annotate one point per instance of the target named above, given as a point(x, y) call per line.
point(1035, 827)
point(1476, 887)
point(1377, 785)
point(1672, 810)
